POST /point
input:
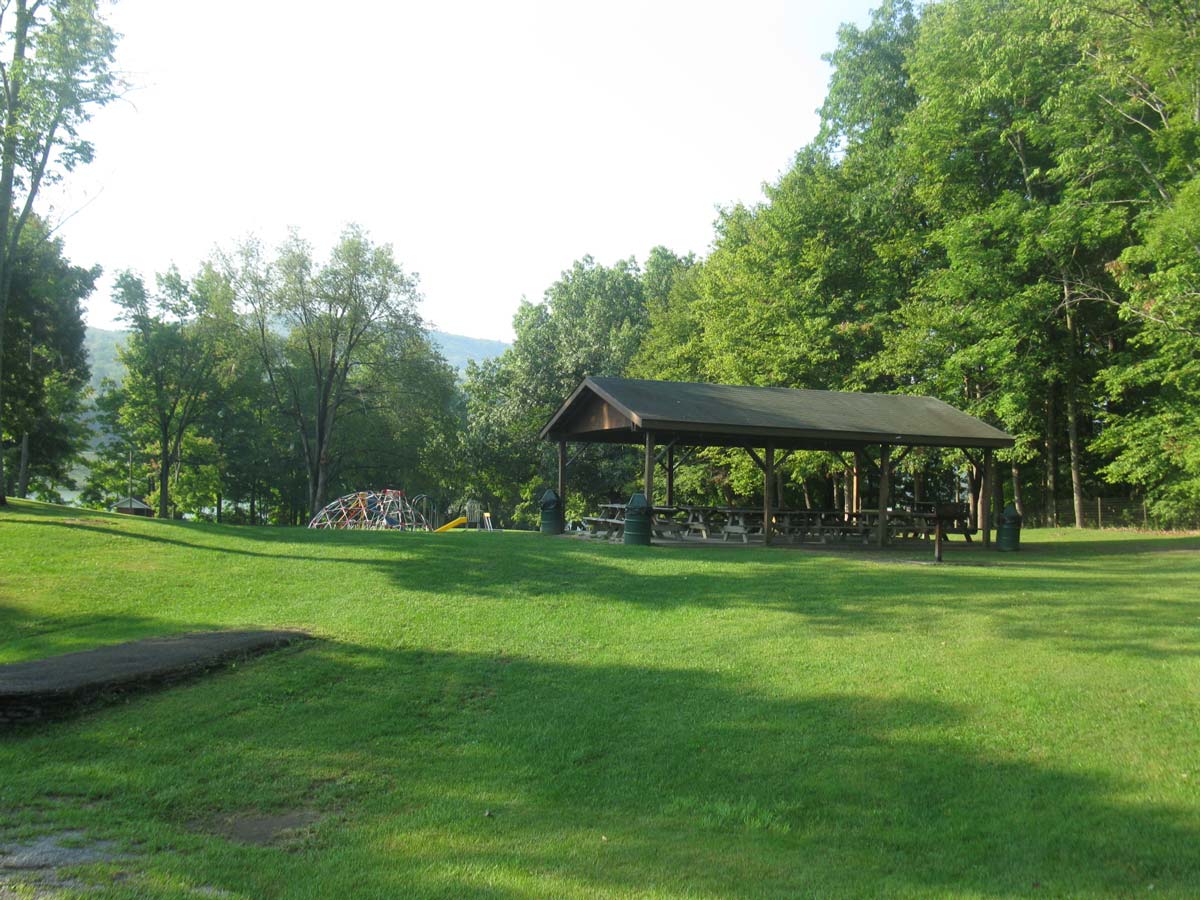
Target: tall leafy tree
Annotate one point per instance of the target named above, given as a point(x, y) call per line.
point(1147, 75)
point(46, 370)
point(55, 68)
point(591, 322)
point(170, 357)
point(314, 324)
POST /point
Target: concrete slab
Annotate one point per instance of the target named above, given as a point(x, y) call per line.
point(48, 688)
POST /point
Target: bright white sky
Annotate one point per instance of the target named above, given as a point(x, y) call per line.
point(490, 143)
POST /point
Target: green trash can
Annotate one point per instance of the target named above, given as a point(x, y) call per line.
point(552, 513)
point(1008, 531)
point(637, 520)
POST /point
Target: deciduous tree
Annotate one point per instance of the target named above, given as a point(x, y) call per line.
point(314, 324)
point(55, 68)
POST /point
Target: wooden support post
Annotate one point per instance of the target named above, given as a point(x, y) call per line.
point(768, 484)
point(860, 466)
point(562, 474)
point(984, 510)
point(671, 475)
point(885, 478)
point(562, 488)
point(649, 470)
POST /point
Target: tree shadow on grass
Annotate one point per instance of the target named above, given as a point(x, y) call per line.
point(1110, 608)
point(181, 535)
point(1085, 596)
point(24, 636)
point(447, 774)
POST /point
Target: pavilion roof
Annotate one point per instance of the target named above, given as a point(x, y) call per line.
point(622, 410)
point(131, 503)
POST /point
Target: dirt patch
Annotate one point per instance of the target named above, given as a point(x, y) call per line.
point(67, 848)
point(32, 868)
point(264, 829)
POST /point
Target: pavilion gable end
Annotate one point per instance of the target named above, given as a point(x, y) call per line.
point(591, 413)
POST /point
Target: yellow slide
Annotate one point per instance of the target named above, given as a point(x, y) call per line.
point(461, 520)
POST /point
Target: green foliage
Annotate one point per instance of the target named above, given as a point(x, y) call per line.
point(1149, 74)
point(45, 368)
point(347, 362)
point(56, 66)
point(999, 210)
point(171, 359)
point(591, 322)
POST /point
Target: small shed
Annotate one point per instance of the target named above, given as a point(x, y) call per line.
point(132, 506)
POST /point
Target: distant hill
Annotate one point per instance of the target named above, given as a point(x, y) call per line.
point(102, 353)
point(458, 349)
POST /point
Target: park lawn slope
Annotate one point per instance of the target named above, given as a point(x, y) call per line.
point(507, 715)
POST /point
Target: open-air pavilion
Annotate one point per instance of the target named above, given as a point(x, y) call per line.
point(768, 423)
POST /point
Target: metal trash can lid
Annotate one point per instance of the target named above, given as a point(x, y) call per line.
point(1010, 516)
point(637, 501)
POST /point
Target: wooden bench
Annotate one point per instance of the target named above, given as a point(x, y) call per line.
point(665, 527)
point(604, 528)
point(740, 530)
point(913, 526)
point(836, 527)
point(955, 518)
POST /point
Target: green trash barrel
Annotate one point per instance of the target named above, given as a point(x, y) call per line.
point(1008, 531)
point(637, 520)
point(552, 513)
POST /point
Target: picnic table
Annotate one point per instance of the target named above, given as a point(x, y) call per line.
point(724, 520)
point(610, 524)
point(794, 525)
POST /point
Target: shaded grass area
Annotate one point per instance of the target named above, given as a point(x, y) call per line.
point(518, 716)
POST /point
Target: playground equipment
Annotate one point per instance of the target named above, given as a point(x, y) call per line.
point(427, 508)
point(477, 517)
point(372, 510)
point(393, 510)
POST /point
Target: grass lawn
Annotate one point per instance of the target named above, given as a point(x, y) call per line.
point(509, 715)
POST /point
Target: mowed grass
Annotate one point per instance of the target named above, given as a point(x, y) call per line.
point(509, 715)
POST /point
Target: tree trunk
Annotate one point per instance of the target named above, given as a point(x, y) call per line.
point(1051, 498)
point(218, 508)
point(3, 315)
point(1076, 463)
point(848, 492)
point(1073, 418)
point(318, 500)
point(727, 493)
point(10, 228)
point(996, 489)
point(807, 495)
point(973, 484)
point(23, 470)
point(164, 474)
point(1016, 486)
